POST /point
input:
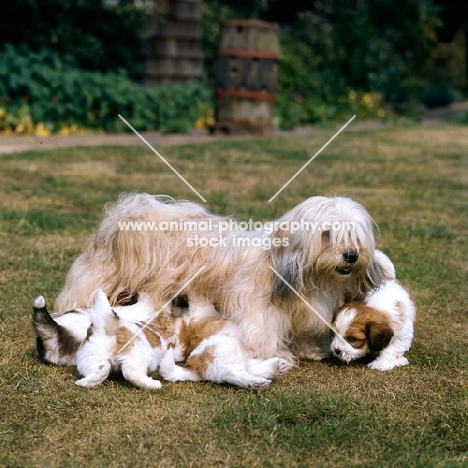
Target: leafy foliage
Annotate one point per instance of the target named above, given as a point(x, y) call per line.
point(53, 92)
point(99, 35)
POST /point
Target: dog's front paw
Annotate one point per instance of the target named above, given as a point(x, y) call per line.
point(386, 364)
point(282, 366)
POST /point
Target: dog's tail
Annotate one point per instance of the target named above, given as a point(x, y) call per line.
point(101, 311)
point(170, 371)
point(46, 328)
point(385, 265)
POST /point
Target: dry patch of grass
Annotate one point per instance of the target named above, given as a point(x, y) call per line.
point(413, 182)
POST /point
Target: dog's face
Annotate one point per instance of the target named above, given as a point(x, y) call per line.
point(361, 330)
point(341, 261)
point(338, 247)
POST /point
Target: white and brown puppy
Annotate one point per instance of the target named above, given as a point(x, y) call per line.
point(212, 350)
point(97, 340)
point(323, 250)
point(383, 324)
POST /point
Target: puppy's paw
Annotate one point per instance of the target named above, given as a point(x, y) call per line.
point(86, 382)
point(387, 364)
point(282, 366)
point(402, 361)
point(258, 383)
point(151, 384)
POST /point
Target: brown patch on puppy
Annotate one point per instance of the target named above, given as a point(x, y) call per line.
point(165, 324)
point(200, 362)
point(68, 345)
point(123, 337)
point(192, 334)
point(153, 337)
point(369, 325)
point(112, 324)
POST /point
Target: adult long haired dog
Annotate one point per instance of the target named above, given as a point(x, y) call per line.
point(323, 249)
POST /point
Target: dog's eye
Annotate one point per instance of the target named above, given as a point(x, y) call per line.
point(351, 339)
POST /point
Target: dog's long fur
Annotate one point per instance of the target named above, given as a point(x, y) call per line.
point(271, 318)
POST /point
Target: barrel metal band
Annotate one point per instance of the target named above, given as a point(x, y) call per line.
point(247, 54)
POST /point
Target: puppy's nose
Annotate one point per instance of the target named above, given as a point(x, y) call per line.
point(351, 256)
point(337, 351)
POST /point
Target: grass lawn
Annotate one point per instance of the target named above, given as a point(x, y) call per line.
point(413, 181)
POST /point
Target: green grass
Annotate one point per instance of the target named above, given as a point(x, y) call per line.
point(321, 414)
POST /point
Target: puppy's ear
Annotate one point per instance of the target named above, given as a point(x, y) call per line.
point(287, 260)
point(378, 336)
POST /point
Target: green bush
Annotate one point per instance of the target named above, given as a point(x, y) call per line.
point(99, 35)
point(57, 94)
point(437, 94)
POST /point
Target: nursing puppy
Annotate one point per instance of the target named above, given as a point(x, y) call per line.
point(383, 324)
point(212, 350)
point(97, 340)
point(329, 259)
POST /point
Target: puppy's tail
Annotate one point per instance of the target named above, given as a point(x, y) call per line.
point(101, 311)
point(170, 371)
point(385, 265)
point(47, 330)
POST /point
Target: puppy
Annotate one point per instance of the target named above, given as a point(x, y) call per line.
point(212, 350)
point(97, 340)
point(382, 324)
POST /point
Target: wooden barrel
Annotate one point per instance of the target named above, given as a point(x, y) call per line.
point(247, 76)
point(173, 51)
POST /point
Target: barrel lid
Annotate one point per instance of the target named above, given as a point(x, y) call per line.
point(247, 23)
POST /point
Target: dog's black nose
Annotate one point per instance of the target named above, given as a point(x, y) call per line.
point(351, 256)
point(337, 351)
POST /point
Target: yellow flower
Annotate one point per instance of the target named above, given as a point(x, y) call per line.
point(2, 112)
point(65, 130)
point(41, 130)
point(199, 123)
point(367, 99)
point(381, 113)
point(352, 95)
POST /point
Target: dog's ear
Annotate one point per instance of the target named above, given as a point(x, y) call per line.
point(378, 336)
point(373, 279)
point(287, 260)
